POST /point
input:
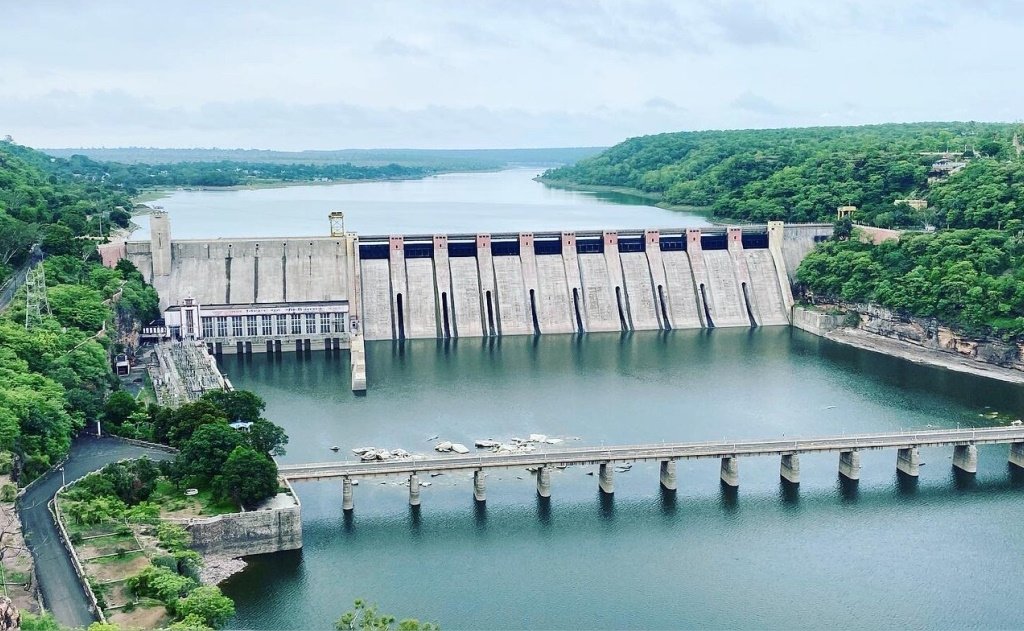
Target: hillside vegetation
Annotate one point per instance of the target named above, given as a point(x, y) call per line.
point(801, 175)
point(55, 376)
point(969, 273)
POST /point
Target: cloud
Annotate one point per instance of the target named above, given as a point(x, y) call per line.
point(750, 102)
point(390, 46)
point(489, 72)
point(278, 124)
point(660, 103)
point(751, 24)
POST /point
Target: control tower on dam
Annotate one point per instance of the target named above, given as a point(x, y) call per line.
point(331, 292)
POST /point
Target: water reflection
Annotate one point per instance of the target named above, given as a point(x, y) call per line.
point(678, 549)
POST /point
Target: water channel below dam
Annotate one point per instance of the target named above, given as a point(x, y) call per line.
point(943, 551)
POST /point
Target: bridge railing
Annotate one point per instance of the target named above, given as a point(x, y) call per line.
point(612, 451)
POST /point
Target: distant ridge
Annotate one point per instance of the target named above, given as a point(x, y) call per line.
point(448, 159)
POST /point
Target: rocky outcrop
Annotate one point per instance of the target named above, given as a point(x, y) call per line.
point(926, 333)
point(10, 618)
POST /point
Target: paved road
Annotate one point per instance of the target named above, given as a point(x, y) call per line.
point(62, 593)
point(664, 451)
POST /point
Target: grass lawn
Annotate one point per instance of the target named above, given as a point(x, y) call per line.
point(174, 503)
point(116, 568)
point(108, 544)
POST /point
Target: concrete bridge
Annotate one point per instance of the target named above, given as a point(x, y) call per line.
point(907, 444)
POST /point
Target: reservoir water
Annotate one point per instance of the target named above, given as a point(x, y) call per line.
point(939, 552)
point(453, 202)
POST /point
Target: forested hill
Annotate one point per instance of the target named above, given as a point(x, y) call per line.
point(803, 174)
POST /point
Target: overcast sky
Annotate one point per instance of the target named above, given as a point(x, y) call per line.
point(515, 73)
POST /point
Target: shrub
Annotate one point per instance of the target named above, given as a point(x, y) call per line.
point(161, 583)
point(208, 604)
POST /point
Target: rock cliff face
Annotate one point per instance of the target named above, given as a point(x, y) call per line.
point(929, 334)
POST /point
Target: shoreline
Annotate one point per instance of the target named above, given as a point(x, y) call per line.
point(921, 356)
point(159, 192)
point(654, 198)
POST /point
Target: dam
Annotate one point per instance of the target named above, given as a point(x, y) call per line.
point(243, 296)
point(693, 551)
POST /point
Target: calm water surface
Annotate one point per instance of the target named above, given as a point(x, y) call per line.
point(454, 202)
point(942, 552)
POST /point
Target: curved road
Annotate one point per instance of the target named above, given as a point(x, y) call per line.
point(62, 593)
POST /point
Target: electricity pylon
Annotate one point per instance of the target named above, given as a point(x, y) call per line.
point(36, 304)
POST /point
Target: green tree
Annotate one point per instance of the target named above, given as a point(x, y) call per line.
point(191, 622)
point(204, 454)
point(248, 477)
point(207, 604)
point(237, 404)
point(60, 240)
point(119, 406)
point(78, 306)
point(364, 617)
point(267, 438)
point(161, 583)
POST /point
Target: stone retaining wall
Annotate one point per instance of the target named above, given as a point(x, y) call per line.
point(816, 322)
point(252, 532)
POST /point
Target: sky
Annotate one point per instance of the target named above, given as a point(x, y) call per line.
point(486, 73)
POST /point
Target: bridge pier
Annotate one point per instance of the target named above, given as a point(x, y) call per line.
point(731, 471)
point(1017, 454)
point(544, 481)
point(908, 461)
point(606, 478)
point(414, 490)
point(849, 464)
point(346, 494)
point(668, 474)
point(965, 458)
point(790, 468)
point(479, 486)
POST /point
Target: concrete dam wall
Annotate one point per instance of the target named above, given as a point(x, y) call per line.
point(431, 286)
point(256, 295)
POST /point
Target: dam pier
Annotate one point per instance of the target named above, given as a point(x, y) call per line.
point(274, 295)
point(906, 444)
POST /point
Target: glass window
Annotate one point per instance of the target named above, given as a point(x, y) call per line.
point(268, 325)
point(236, 326)
point(311, 323)
point(296, 324)
point(250, 326)
point(339, 322)
point(282, 324)
point(222, 326)
point(207, 327)
point(325, 323)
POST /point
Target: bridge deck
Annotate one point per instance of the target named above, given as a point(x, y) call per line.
point(666, 451)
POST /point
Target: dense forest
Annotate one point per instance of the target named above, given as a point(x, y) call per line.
point(972, 279)
point(800, 175)
point(963, 261)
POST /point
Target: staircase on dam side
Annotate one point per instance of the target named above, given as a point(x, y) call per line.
point(483, 285)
